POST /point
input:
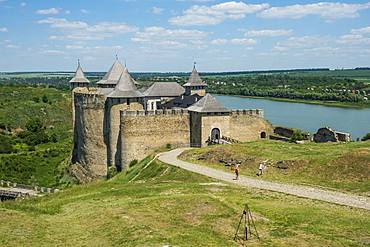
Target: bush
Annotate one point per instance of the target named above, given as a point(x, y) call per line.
point(34, 125)
point(168, 146)
point(298, 135)
point(36, 99)
point(31, 148)
point(6, 146)
point(133, 163)
point(53, 138)
point(366, 137)
point(36, 138)
point(45, 99)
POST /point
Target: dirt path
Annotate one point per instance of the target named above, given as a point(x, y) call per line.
point(297, 190)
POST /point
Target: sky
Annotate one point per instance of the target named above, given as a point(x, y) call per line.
point(170, 35)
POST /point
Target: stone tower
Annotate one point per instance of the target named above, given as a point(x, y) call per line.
point(125, 96)
point(195, 85)
point(79, 79)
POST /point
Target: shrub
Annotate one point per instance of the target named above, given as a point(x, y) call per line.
point(168, 146)
point(34, 125)
point(298, 135)
point(36, 99)
point(53, 138)
point(37, 138)
point(45, 99)
point(31, 148)
point(366, 137)
point(133, 163)
point(6, 146)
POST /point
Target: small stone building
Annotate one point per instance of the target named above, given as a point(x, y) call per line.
point(326, 134)
point(114, 123)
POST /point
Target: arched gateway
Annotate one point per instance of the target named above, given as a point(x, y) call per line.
point(215, 134)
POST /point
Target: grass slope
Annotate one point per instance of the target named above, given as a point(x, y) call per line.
point(164, 205)
point(343, 166)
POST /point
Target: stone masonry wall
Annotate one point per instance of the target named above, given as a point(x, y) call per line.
point(89, 148)
point(144, 131)
point(210, 122)
point(114, 128)
point(247, 125)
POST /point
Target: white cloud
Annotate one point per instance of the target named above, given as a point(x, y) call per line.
point(79, 30)
point(269, 33)
point(243, 41)
point(156, 10)
point(74, 47)
point(67, 12)
point(23, 4)
point(51, 11)
point(215, 14)
point(364, 30)
point(12, 46)
point(84, 11)
point(170, 38)
point(219, 41)
point(326, 10)
point(53, 52)
point(3, 29)
point(303, 42)
point(353, 39)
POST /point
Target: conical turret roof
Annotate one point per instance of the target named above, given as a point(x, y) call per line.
point(79, 76)
point(194, 79)
point(114, 73)
point(125, 87)
point(208, 104)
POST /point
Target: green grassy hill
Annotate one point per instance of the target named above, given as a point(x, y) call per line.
point(157, 205)
point(22, 158)
point(340, 166)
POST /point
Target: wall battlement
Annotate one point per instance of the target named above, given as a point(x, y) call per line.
point(250, 112)
point(89, 100)
point(154, 113)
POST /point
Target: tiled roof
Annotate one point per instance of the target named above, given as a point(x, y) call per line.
point(208, 104)
point(113, 75)
point(79, 76)
point(164, 89)
point(194, 79)
point(125, 87)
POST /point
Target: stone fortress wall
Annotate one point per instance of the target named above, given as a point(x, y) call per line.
point(249, 125)
point(141, 132)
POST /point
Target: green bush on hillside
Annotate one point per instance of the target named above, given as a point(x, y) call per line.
point(298, 135)
point(366, 137)
point(6, 146)
point(34, 125)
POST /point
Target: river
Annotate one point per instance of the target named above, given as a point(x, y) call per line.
point(308, 117)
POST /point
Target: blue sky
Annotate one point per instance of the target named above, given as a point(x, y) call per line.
point(168, 35)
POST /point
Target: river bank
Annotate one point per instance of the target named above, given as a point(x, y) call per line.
point(307, 117)
point(313, 102)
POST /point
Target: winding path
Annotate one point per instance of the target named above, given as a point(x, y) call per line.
point(297, 190)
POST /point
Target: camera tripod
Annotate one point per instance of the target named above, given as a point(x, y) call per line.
point(248, 221)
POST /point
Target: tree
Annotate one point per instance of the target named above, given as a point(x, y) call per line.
point(366, 137)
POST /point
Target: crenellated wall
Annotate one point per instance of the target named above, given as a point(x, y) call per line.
point(89, 148)
point(142, 132)
point(249, 125)
point(113, 109)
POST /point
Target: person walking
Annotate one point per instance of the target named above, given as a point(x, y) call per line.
point(261, 167)
point(236, 171)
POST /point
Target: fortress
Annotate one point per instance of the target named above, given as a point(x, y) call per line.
point(115, 123)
